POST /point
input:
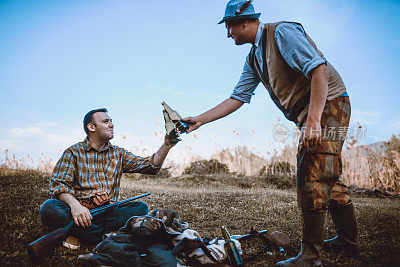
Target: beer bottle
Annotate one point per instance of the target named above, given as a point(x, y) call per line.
point(231, 249)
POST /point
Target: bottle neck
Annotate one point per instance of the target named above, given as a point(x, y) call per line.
point(225, 233)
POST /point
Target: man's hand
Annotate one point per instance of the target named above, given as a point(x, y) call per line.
point(168, 143)
point(194, 123)
point(312, 135)
point(81, 215)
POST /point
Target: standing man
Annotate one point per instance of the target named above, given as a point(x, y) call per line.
point(88, 175)
point(309, 91)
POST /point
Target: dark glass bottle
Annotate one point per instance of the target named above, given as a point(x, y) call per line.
point(231, 249)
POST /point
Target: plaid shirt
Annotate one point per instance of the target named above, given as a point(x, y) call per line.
point(83, 171)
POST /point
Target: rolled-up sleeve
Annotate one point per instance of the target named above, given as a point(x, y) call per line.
point(132, 163)
point(248, 82)
point(62, 178)
point(295, 48)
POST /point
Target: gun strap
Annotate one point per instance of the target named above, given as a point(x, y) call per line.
point(263, 238)
point(192, 261)
point(206, 251)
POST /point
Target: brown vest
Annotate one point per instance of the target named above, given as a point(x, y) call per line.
point(289, 89)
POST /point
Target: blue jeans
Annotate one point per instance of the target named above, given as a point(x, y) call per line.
point(55, 214)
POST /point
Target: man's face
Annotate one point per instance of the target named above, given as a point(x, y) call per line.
point(237, 31)
point(103, 126)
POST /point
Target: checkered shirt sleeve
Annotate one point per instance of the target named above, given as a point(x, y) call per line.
point(132, 163)
point(62, 177)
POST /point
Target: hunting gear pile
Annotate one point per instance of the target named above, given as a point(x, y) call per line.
point(161, 232)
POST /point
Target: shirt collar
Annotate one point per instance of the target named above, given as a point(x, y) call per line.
point(87, 146)
point(259, 34)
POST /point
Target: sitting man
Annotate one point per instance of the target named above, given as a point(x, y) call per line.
point(88, 175)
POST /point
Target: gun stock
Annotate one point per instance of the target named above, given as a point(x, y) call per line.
point(38, 249)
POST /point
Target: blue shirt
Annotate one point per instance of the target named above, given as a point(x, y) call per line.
point(294, 48)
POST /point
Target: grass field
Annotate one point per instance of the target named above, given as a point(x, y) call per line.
point(206, 202)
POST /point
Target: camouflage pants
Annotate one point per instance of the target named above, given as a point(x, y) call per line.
point(319, 169)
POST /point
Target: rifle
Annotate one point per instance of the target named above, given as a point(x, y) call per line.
point(38, 249)
point(277, 240)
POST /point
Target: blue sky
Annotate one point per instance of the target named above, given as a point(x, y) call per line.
point(59, 59)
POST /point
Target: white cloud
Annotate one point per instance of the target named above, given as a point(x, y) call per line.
point(365, 117)
point(39, 140)
point(167, 89)
point(26, 132)
point(173, 91)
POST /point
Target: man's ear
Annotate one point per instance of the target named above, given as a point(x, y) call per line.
point(91, 127)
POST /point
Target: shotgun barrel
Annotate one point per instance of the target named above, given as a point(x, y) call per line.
point(238, 237)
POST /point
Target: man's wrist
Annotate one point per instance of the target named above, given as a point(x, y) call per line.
point(167, 146)
point(200, 120)
point(313, 117)
point(313, 120)
point(69, 199)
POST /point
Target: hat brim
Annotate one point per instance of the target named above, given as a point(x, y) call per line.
point(251, 16)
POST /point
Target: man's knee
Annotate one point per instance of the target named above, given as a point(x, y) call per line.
point(54, 213)
point(340, 196)
point(48, 208)
point(118, 217)
point(137, 208)
point(314, 196)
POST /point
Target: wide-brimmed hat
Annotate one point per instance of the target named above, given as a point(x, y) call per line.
point(239, 9)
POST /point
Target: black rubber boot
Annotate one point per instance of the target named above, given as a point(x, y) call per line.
point(345, 221)
point(312, 241)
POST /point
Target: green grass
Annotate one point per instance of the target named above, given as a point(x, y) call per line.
point(206, 202)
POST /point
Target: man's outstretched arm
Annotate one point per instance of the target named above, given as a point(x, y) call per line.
point(162, 152)
point(146, 165)
point(225, 108)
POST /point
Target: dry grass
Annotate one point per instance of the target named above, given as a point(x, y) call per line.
point(206, 202)
point(364, 166)
point(371, 166)
point(378, 166)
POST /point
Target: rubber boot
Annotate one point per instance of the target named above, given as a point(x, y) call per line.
point(312, 240)
point(345, 221)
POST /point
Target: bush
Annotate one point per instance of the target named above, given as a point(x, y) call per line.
point(278, 168)
point(280, 181)
point(211, 166)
